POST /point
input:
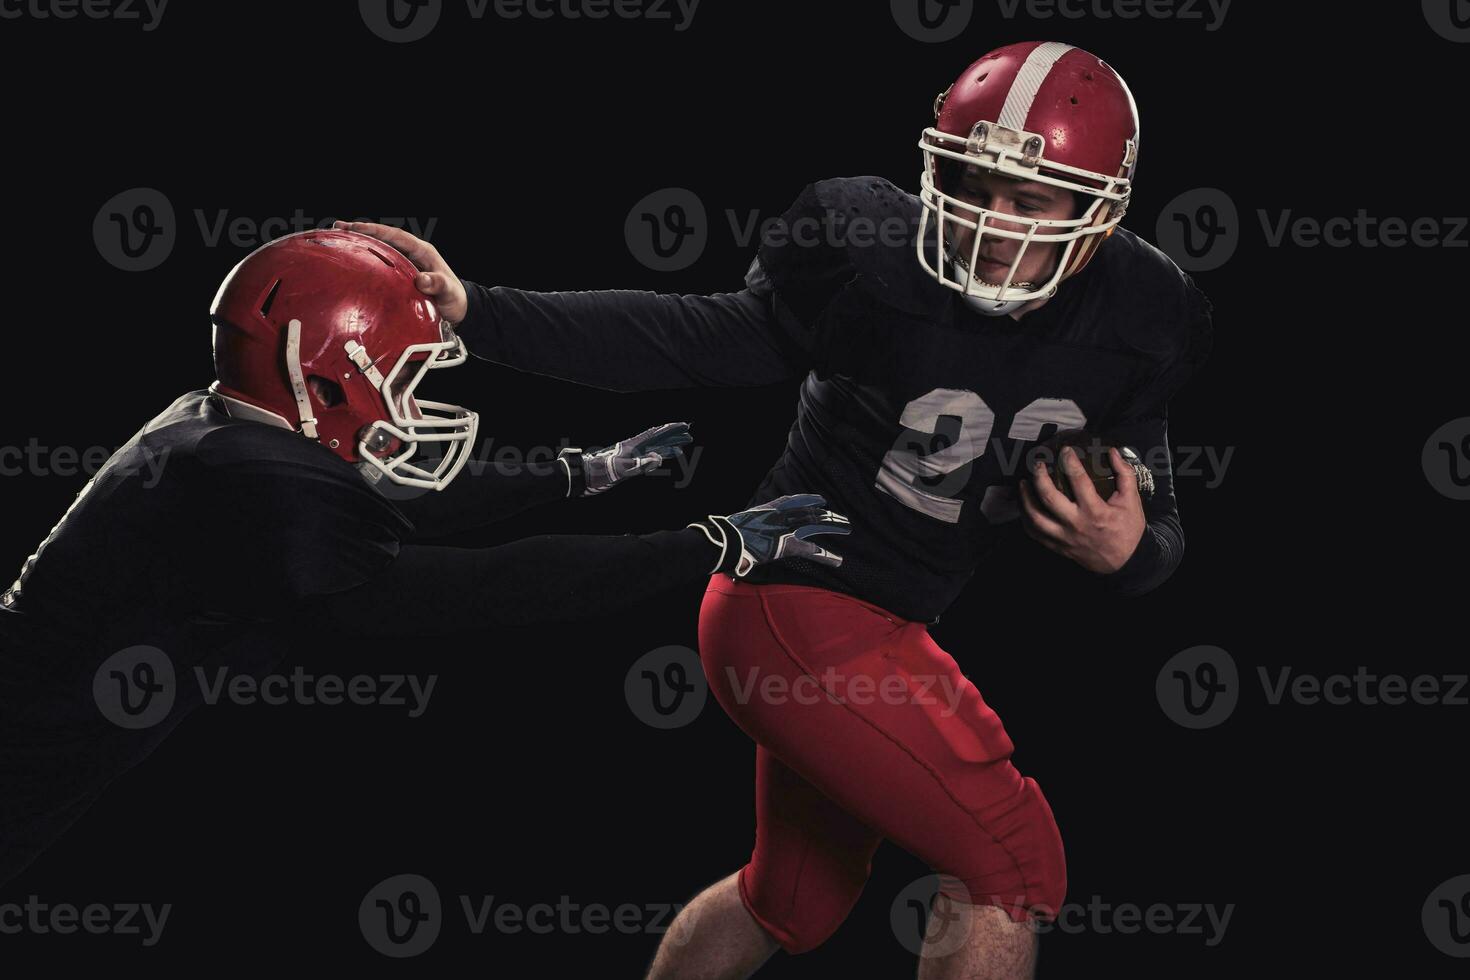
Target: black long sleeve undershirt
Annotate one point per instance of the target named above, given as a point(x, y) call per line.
point(1161, 548)
point(483, 493)
point(632, 340)
point(544, 579)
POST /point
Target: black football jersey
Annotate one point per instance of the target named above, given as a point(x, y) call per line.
point(217, 543)
point(195, 539)
point(919, 414)
point(916, 413)
point(204, 519)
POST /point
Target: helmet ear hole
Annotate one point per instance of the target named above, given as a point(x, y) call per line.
point(376, 440)
point(328, 393)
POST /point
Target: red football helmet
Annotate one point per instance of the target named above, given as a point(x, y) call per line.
point(1036, 111)
point(340, 307)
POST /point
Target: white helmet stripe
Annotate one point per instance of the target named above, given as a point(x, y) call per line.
point(1028, 82)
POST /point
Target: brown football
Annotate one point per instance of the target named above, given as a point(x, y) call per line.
point(1092, 452)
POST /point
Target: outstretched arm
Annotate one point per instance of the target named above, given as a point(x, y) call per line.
point(535, 580)
point(621, 340)
point(308, 536)
point(486, 492)
point(483, 493)
point(626, 340)
point(555, 578)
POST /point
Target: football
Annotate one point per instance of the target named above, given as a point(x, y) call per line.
point(1092, 452)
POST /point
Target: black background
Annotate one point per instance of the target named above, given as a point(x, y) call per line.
point(1323, 547)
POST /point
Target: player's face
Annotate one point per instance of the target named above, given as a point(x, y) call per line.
point(1007, 195)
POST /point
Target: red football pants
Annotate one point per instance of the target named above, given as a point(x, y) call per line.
point(865, 729)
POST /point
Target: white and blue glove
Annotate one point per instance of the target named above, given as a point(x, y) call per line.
point(592, 473)
point(773, 531)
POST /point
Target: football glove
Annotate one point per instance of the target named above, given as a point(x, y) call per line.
point(773, 531)
point(592, 473)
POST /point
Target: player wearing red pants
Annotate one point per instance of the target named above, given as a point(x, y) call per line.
point(939, 338)
point(871, 708)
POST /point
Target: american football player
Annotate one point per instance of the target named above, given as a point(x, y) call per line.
point(248, 512)
point(1012, 305)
